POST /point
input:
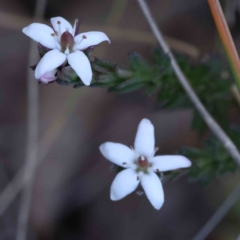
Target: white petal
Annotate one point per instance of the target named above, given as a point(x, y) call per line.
point(81, 65)
point(64, 25)
point(49, 62)
point(167, 163)
point(48, 76)
point(41, 33)
point(118, 153)
point(153, 189)
point(145, 142)
point(92, 39)
point(124, 183)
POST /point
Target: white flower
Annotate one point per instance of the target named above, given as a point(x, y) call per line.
point(141, 165)
point(65, 45)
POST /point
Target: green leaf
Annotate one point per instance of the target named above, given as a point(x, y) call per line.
point(162, 59)
point(64, 83)
point(107, 78)
point(99, 69)
point(127, 88)
point(67, 74)
point(197, 122)
point(104, 64)
point(42, 50)
point(78, 85)
point(137, 63)
point(122, 73)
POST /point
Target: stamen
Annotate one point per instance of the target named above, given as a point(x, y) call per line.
point(74, 26)
point(59, 28)
point(124, 163)
point(157, 170)
point(138, 178)
point(53, 34)
point(83, 37)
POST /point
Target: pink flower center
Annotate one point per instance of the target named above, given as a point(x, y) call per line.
point(143, 162)
point(67, 41)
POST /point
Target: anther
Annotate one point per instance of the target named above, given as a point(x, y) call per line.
point(53, 34)
point(58, 22)
point(157, 170)
point(84, 37)
point(138, 178)
point(124, 163)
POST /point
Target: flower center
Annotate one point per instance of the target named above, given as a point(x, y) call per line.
point(67, 41)
point(143, 163)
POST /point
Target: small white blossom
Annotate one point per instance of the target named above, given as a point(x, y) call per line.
point(141, 165)
point(64, 45)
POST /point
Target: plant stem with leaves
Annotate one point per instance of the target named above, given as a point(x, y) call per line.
point(213, 125)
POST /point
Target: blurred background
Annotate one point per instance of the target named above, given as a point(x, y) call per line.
point(70, 198)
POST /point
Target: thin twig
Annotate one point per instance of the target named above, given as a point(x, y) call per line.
point(48, 139)
point(32, 144)
point(226, 37)
point(212, 124)
point(17, 184)
point(219, 214)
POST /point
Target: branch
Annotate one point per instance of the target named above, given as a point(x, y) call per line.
point(32, 144)
point(18, 183)
point(212, 124)
point(219, 214)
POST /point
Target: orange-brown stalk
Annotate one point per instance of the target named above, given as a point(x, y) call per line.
point(226, 38)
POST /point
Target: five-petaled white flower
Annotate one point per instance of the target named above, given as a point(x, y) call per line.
point(141, 165)
point(64, 45)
